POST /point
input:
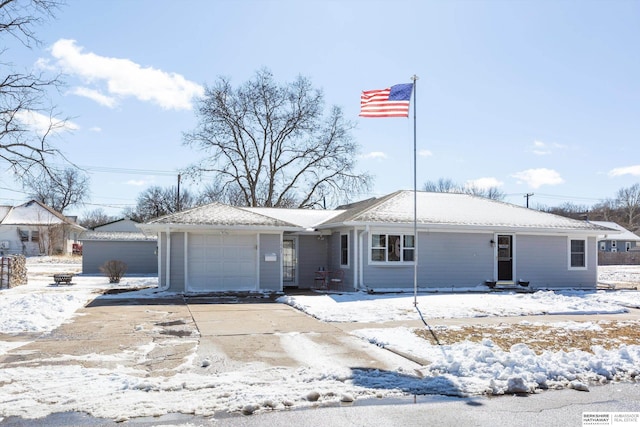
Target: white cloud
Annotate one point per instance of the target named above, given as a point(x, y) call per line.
point(95, 95)
point(125, 78)
point(425, 153)
point(42, 124)
point(375, 155)
point(627, 170)
point(536, 178)
point(95, 129)
point(484, 183)
point(542, 148)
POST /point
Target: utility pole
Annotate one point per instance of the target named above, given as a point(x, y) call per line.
point(527, 197)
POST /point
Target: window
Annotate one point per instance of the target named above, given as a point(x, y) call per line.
point(24, 235)
point(344, 249)
point(603, 245)
point(35, 235)
point(578, 255)
point(627, 246)
point(392, 248)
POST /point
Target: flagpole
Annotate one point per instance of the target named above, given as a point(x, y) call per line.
point(415, 200)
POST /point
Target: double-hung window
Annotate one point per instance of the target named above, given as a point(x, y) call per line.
point(392, 248)
point(577, 253)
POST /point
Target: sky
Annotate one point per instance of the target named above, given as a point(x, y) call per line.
point(208, 381)
point(532, 97)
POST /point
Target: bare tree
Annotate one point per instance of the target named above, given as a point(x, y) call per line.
point(443, 185)
point(493, 193)
point(23, 94)
point(447, 185)
point(157, 201)
point(274, 145)
point(605, 211)
point(567, 209)
point(58, 189)
point(95, 218)
point(628, 202)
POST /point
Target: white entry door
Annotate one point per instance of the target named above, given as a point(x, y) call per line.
point(224, 262)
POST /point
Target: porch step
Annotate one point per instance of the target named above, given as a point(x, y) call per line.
point(504, 285)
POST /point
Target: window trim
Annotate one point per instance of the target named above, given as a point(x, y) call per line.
point(401, 235)
point(585, 254)
point(346, 249)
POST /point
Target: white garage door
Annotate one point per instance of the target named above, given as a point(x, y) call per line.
point(222, 262)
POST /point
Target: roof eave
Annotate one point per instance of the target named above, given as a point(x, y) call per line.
point(216, 227)
point(466, 228)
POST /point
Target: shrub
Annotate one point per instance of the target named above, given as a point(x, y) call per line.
point(114, 270)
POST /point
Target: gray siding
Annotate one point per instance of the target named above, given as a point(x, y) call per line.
point(312, 254)
point(459, 260)
point(139, 256)
point(335, 257)
point(177, 278)
point(454, 260)
point(445, 260)
point(270, 271)
point(544, 262)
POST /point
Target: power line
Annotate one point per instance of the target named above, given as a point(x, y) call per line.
point(132, 171)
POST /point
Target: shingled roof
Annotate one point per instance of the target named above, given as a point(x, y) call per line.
point(447, 210)
point(219, 214)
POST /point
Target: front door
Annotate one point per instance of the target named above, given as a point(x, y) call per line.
point(505, 258)
point(289, 262)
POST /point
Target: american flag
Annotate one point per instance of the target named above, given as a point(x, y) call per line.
point(390, 102)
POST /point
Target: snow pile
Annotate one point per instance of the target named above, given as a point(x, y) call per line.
point(484, 368)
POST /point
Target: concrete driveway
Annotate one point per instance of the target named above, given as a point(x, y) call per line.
point(165, 336)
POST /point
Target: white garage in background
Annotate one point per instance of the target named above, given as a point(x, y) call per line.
point(222, 262)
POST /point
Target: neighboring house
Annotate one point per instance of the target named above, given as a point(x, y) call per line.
point(119, 240)
point(34, 228)
point(462, 242)
point(623, 241)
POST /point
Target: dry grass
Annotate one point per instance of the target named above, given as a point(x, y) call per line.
point(539, 337)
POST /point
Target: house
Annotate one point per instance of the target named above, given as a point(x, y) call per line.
point(623, 241)
point(34, 228)
point(463, 241)
point(119, 240)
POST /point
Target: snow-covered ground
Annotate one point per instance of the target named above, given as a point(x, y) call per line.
point(458, 368)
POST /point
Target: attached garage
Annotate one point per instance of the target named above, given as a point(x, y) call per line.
point(224, 262)
point(219, 248)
